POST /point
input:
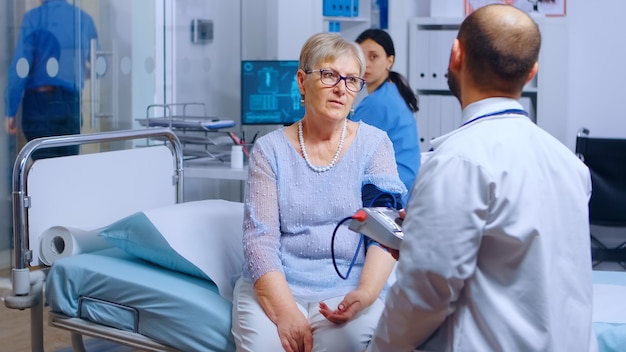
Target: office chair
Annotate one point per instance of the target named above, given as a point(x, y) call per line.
point(606, 159)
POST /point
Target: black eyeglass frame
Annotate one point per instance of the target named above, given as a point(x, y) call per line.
point(344, 78)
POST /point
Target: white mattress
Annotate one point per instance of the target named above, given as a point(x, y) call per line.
point(609, 309)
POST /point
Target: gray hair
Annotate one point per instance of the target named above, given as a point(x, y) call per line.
point(328, 47)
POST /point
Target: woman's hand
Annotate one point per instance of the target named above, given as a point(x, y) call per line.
point(295, 332)
point(354, 302)
point(274, 295)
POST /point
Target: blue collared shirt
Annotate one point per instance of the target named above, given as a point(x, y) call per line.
point(54, 41)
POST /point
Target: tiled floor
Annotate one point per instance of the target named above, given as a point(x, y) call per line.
point(15, 326)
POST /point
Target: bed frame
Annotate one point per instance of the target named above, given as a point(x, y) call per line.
point(28, 279)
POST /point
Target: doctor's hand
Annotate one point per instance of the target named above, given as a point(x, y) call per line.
point(395, 253)
point(295, 332)
point(354, 302)
point(9, 125)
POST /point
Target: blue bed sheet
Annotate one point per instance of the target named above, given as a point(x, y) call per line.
point(175, 309)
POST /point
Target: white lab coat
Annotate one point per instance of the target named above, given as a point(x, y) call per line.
point(496, 255)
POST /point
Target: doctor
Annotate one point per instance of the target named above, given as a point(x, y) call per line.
point(496, 255)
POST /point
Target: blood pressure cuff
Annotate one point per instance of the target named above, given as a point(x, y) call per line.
point(373, 196)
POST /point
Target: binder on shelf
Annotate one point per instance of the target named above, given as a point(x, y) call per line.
point(355, 8)
point(330, 8)
point(334, 26)
point(345, 8)
point(383, 13)
point(340, 8)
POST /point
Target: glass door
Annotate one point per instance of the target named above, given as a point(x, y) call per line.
point(125, 74)
point(74, 66)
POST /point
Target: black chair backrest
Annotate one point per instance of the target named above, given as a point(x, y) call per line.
point(606, 159)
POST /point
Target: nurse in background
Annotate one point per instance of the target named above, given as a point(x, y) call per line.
point(390, 104)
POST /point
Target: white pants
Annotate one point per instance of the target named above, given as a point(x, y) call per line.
point(255, 332)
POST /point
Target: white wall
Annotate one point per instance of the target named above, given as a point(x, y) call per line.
point(596, 68)
point(276, 29)
point(399, 13)
point(207, 73)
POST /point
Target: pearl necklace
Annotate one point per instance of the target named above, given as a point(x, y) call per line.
point(306, 156)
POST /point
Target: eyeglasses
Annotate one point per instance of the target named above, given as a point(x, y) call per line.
point(331, 78)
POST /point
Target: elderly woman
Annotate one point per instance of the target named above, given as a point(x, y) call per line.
point(304, 179)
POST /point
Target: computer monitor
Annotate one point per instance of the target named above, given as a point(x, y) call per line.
point(269, 92)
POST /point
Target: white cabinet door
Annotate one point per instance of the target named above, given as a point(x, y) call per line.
point(544, 97)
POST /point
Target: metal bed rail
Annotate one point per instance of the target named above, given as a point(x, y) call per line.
point(27, 286)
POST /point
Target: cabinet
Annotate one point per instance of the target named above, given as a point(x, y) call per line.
point(430, 40)
point(350, 22)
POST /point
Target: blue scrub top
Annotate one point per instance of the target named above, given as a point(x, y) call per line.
point(386, 109)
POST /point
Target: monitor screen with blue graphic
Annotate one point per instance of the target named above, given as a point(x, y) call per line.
point(269, 93)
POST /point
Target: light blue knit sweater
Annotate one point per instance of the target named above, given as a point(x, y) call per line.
point(291, 211)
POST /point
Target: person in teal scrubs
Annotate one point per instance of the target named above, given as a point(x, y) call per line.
point(390, 104)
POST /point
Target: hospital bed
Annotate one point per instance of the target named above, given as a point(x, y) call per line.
point(162, 278)
point(174, 291)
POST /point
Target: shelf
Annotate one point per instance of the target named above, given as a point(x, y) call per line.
point(349, 27)
point(212, 170)
point(190, 123)
point(451, 22)
point(201, 136)
point(346, 19)
point(430, 40)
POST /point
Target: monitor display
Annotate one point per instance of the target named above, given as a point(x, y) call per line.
point(269, 93)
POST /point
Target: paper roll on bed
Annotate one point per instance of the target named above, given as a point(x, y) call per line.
point(60, 242)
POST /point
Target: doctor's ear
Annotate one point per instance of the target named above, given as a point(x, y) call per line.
point(533, 72)
point(456, 55)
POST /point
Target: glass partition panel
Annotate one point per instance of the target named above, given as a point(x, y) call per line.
point(73, 66)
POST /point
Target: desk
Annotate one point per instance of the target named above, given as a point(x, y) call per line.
point(215, 171)
point(199, 170)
